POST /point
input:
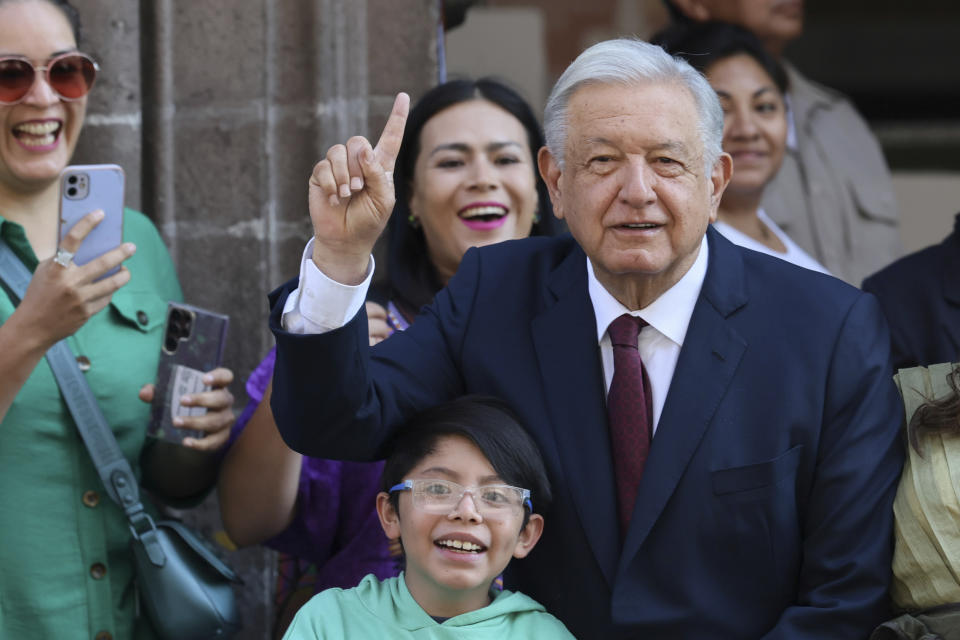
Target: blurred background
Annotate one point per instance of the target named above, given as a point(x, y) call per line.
point(217, 110)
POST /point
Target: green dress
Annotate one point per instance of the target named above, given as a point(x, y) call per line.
point(65, 566)
point(385, 610)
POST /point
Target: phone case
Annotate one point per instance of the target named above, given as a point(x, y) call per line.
point(193, 343)
point(85, 188)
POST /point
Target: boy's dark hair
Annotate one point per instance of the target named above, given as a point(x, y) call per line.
point(487, 422)
point(413, 280)
point(705, 43)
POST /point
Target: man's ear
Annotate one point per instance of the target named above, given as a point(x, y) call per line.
point(719, 179)
point(693, 9)
point(389, 518)
point(551, 173)
point(529, 536)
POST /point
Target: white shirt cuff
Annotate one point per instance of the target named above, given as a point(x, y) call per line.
point(320, 304)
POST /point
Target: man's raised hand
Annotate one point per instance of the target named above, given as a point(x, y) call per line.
point(351, 197)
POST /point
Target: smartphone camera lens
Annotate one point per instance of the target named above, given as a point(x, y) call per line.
point(178, 328)
point(72, 191)
point(72, 179)
point(179, 323)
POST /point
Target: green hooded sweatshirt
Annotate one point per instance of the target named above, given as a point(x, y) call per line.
point(375, 609)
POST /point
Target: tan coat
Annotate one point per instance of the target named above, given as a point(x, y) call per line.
point(926, 559)
point(833, 195)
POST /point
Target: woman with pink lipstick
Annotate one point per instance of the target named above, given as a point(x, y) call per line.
point(751, 86)
point(66, 569)
point(465, 177)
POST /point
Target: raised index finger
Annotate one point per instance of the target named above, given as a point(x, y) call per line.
point(388, 146)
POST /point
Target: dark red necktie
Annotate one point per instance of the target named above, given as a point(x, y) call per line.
point(629, 412)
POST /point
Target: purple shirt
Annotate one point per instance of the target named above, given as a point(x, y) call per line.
point(335, 525)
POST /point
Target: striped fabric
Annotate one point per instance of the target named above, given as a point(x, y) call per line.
point(926, 561)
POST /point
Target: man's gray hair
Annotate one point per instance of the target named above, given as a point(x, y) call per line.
point(630, 61)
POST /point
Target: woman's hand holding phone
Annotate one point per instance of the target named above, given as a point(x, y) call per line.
point(60, 299)
point(219, 418)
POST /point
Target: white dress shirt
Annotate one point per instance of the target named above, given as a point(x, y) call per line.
point(320, 304)
point(659, 342)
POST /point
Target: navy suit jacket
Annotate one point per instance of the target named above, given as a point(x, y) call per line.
point(765, 506)
point(920, 296)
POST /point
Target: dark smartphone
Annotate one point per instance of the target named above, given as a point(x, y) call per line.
point(86, 188)
point(193, 343)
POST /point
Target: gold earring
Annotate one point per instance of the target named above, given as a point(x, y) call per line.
point(413, 221)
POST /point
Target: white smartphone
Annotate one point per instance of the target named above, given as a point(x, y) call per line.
point(86, 188)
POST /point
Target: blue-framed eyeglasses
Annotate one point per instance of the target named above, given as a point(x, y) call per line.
point(442, 496)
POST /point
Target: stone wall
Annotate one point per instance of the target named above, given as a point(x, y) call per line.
point(217, 110)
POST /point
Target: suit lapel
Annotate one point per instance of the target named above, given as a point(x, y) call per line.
point(708, 359)
point(565, 339)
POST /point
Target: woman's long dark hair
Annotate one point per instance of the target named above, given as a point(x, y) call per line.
point(941, 415)
point(412, 278)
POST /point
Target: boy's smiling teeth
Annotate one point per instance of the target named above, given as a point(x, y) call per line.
point(460, 545)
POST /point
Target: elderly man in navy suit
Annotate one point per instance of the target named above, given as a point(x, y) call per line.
point(719, 427)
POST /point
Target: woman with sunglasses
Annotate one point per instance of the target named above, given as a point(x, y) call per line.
point(465, 176)
point(66, 568)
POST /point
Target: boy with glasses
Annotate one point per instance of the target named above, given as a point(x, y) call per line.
point(459, 488)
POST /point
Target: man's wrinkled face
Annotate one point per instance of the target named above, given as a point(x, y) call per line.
point(633, 189)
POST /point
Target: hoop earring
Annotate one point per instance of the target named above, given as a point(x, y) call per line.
point(413, 221)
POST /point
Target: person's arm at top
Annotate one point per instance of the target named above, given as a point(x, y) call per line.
point(847, 533)
point(333, 395)
point(350, 197)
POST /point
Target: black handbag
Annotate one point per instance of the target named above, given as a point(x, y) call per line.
point(189, 594)
point(186, 590)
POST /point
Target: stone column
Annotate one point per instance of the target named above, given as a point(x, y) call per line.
point(218, 110)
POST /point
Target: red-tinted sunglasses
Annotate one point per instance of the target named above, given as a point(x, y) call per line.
point(70, 75)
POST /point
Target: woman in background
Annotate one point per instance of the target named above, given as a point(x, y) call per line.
point(751, 86)
point(465, 176)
